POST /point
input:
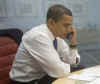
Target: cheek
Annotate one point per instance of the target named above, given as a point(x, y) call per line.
point(69, 29)
point(62, 31)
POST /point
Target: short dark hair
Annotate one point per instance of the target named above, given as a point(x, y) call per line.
point(55, 12)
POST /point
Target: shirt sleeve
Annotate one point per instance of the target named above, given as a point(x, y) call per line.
point(68, 55)
point(41, 48)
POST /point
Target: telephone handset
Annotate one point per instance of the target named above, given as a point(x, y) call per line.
point(69, 35)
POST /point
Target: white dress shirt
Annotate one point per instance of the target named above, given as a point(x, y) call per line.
point(37, 56)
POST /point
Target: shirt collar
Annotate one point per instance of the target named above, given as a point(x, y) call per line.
point(50, 33)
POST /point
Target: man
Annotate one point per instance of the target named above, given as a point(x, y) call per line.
point(43, 54)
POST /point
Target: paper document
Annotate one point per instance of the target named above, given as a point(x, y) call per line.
point(81, 77)
point(91, 72)
point(97, 81)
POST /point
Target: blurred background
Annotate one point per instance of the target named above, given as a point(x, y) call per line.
point(25, 14)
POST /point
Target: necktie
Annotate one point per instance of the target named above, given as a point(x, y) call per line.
point(55, 43)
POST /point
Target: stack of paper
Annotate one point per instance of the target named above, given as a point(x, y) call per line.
point(91, 74)
point(97, 81)
point(81, 77)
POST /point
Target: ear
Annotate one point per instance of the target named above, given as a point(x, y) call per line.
point(51, 22)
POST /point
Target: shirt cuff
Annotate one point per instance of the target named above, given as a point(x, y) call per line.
point(75, 51)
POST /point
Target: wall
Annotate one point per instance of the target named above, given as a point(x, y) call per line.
point(26, 14)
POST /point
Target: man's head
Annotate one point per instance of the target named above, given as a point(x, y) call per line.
point(59, 20)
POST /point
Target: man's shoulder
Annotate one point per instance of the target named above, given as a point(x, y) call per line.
point(36, 32)
point(39, 27)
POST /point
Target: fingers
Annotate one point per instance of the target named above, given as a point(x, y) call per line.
point(73, 40)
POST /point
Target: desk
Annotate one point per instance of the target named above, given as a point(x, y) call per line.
point(69, 81)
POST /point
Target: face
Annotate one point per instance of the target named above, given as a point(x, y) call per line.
point(63, 26)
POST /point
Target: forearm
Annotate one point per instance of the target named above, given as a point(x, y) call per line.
point(70, 56)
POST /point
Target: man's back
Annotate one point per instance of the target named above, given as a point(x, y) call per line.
point(25, 66)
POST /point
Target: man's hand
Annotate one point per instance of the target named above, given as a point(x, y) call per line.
point(73, 39)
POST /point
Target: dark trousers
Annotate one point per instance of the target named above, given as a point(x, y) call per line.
point(45, 80)
point(31, 82)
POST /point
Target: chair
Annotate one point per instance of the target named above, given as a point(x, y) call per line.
point(9, 41)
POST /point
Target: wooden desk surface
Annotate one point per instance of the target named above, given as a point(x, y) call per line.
point(69, 81)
